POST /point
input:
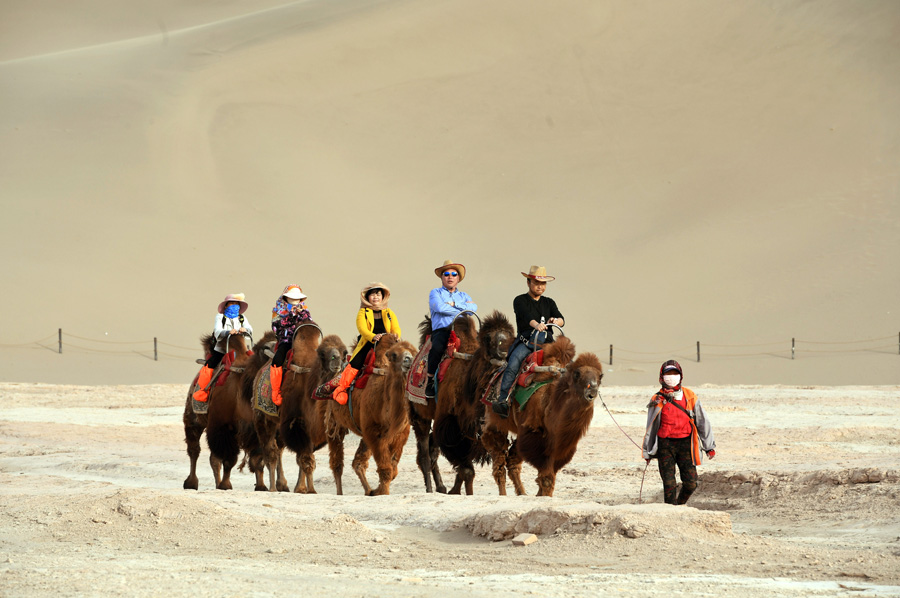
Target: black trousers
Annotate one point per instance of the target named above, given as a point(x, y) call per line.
point(439, 340)
point(215, 358)
point(280, 353)
point(671, 452)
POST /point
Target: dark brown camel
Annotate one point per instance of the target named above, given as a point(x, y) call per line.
point(303, 417)
point(229, 420)
point(421, 416)
point(194, 425)
point(379, 414)
point(457, 425)
point(553, 421)
point(296, 380)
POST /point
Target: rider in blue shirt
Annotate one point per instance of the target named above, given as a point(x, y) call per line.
point(444, 303)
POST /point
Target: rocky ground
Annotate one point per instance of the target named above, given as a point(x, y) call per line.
point(801, 500)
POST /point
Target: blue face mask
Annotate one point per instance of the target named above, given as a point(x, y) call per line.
point(232, 311)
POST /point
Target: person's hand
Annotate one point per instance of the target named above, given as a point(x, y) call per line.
point(711, 454)
point(242, 330)
point(377, 337)
point(234, 331)
point(540, 327)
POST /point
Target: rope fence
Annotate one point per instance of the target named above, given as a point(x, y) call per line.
point(698, 351)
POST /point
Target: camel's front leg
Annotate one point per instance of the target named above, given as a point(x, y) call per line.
point(396, 452)
point(434, 452)
point(336, 457)
point(281, 484)
point(384, 466)
point(361, 464)
point(216, 465)
point(192, 438)
point(546, 482)
point(496, 444)
point(514, 465)
point(307, 464)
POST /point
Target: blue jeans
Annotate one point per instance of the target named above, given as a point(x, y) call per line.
point(513, 363)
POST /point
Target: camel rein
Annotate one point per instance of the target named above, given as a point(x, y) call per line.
point(640, 494)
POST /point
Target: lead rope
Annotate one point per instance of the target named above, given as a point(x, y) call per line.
point(640, 494)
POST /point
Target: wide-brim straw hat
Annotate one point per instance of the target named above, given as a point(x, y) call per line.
point(451, 264)
point(385, 292)
point(293, 291)
point(239, 297)
point(538, 273)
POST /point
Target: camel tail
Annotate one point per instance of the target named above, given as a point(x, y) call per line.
point(223, 443)
point(295, 437)
point(454, 445)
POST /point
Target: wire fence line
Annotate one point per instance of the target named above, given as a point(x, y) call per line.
point(698, 351)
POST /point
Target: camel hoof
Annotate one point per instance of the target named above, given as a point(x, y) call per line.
point(441, 489)
point(261, 488)
point(224, 486)
point(191, 484)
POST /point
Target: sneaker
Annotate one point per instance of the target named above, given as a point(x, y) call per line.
point(429, 389)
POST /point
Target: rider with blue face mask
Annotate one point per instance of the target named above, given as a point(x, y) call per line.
point(230, 320)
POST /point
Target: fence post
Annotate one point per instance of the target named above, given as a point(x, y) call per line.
point(60, 341)
point(793, 344)
point(610, 355)
point(155, 355)
point(698, 351)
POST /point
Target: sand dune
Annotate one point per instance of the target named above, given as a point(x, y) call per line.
point(688, 170)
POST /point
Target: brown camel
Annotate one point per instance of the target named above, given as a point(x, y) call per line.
point(421, 415)
point(229, 420)
point(295, 382)
point(552, 422)
point(379, 413)
point(303, 417)
point(457, 424)
point(195, 424)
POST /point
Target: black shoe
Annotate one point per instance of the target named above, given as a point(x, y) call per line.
point(501, 408)
point(429, 389)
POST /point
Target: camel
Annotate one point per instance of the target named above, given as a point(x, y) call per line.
point(194, 425)
point(229, 421)
point(552, 423)
point(379, 414)
point(302, 425)
point(421, 415)
point(295, 382)
point(459, 414)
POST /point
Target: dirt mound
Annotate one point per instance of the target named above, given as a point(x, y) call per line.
point(631, 521)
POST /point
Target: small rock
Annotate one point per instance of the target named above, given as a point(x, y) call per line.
point(524, 539)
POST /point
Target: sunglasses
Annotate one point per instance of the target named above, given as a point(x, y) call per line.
point(451, 273)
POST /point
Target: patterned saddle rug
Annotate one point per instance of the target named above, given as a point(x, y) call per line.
point(525, 385)
point(262, 391)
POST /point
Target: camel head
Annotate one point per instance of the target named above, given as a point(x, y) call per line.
point(332, 354)
point(585, 375)
point(400, 355)
point(497, 335)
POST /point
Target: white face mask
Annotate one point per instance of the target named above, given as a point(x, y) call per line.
point(671, 380)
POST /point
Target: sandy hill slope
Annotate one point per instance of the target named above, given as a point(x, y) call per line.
point(690, 171)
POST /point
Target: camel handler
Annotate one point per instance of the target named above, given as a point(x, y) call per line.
point(444, 303)
point(534, 312)
point(289, 312)
point(229, 320)
point(677, 429)
point(373, 320)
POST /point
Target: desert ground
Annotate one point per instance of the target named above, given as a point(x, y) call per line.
point(801, 500)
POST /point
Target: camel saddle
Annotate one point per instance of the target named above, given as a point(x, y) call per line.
point(262, 391)
point(524, 386)
point(418, 373)
point(220, 375)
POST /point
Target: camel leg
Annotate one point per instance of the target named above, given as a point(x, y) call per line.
point(336, 458)
point(423, 454)
point(258, 467)
point(361, 464)
point(309, 468)
point(384, 467)
point(496, 443)
point(300, 486)
point(281, 483)
point(467, 473)
point(434, 452)
point(192, 438)
point(395, 449)
point(216, 465)
point(514, 466)
point(457, 484)
point(546, 481)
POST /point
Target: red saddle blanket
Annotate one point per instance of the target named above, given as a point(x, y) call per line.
point(227, 362)
point(362, 378)
point(526, 373)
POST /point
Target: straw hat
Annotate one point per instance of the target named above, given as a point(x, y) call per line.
point(451, 264)
point(538, 273)
point(385, 293)
point(293, 291)
point(238, 297)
